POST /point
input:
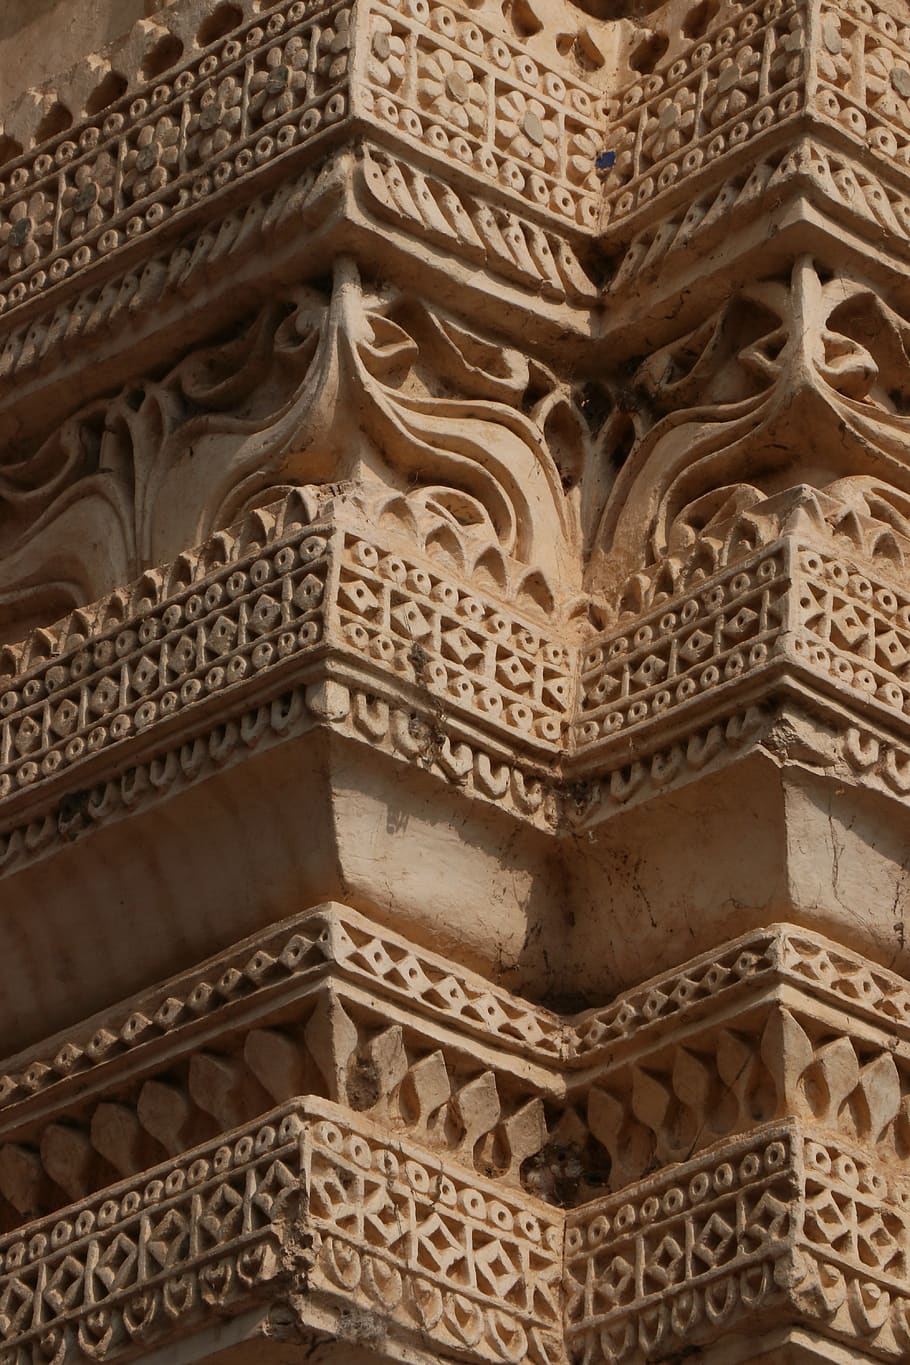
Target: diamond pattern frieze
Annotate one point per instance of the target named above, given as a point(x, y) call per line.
point(797, 1220)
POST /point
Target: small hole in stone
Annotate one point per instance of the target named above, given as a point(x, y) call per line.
point(220, 22)
point(107, 93)
point(57, 119)
point(166, 53)
point(9, 150)
point(698, 20)
point(649, 52)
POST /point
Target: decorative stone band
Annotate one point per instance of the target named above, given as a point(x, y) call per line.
point(240, 617)
point(786, 1226)
point(738, 92)
point(280, 624)
point(728, 1040)
point(266, 974)
point(307, 1206)
point(842, 184)
point(287, 87)
point(314, 1210)
point(789, 606)
point(323, 1005)
point(336, 941)
point(295, 229)
point(780, 955)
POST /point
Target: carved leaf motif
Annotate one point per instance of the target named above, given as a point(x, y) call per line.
point(831, 1078)
point(801, 377)
point(353, 386)
point(650, 1099)
point(331, 1036)
point(881, 1090)
point(786, 1051)
point(691, 1080)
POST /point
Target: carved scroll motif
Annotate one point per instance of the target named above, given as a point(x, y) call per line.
point(797, 381)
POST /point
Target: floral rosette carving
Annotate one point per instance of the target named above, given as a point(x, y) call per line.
point(276, 90)
point(449, 89)
point(670, 127)
point(386, 65)
point(333, 50)
point(888, 84)
point(217, 122)
point(736, 87)
point(26, 232)
point(88, 201)
point(528, 130)
point(153, 162)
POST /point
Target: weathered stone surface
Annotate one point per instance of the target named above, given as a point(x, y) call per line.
point(454, 682)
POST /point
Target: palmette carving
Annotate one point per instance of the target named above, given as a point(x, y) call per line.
point(801, 378)
point(283, 398)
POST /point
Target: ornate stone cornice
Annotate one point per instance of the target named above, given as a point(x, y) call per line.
point(265, 1214)
point(787, 1221)
point(369, 630)
point(279, 93)
point(784, 1226)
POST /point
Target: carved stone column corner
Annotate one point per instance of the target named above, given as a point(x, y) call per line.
point(454, 682)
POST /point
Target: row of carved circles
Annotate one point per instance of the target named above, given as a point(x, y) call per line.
point(192, 187)
point(626, 200)
point(466, 35)
point(875, 17)
point(165, 52)
point(880, 23)
point(896, 606)
point(481, 615)
point(91, 627)
point(233, 586)
point(416, 1179)
point(857, 676)
point(91, 136)
point(695, 609)
point(633, 712)
point(479, 694)
point(106, 1213)
point(232, 51)
point(726, 1178)
point(152, 711)
point(698, 57)
point(843, 1168)
point(880, 138)
point(644, 667)
point(480, 157)
point(505, 667)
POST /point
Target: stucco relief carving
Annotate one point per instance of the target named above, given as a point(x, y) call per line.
point(346, 387)
point(795, 1221)
point(454, 464)
point(795, 380)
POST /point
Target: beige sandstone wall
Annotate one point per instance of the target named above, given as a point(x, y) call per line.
point(455, 682)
